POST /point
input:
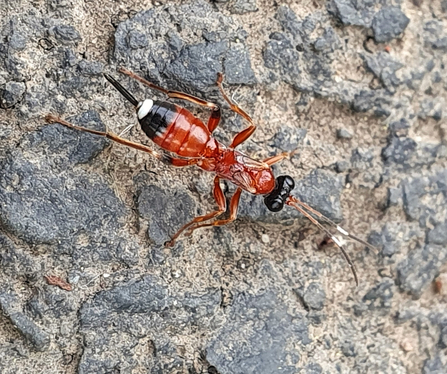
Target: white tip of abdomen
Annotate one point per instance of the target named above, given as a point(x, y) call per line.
point(144, 108)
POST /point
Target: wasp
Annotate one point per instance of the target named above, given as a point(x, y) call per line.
point(189, 141)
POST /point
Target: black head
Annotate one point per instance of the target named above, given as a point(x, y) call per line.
point(276, 199)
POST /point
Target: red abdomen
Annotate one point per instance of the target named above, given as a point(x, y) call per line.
point(175, 129)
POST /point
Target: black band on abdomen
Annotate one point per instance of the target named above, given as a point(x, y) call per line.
point(159, 118)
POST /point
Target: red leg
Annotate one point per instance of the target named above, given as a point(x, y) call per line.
point(222, 205)
point(233, 214)
point(246, 133)
point(161, 156)
point(277, 158)
point(214, 119)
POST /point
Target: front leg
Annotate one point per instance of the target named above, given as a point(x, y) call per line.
point(234, 204)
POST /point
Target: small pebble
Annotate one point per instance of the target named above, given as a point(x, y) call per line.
point(265, 238)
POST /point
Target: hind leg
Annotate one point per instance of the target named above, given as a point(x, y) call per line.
point(161, 156)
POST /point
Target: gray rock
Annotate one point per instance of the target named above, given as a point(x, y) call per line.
point(166, 211)
point(348, 349)
point(146, 296)
point(362, 159)
point(430, 108)
point(351, 12)
point(389, 23)
point(243, 7)
point(237, 66)
point(147, 44)
point(15, 262)
point(399, 151)
point(384, 67)
point(380, 296)
point(257, 337)
point(434, 35)
point(314, 296)
point(321, 189)
point(402, 124)
point(12, 94)
point(343, 134)
point(376, 101)
point(35, 205)
point(313, 368)
point(6, 131)
point(385, 240)
point(282, 57)
point(287, 138)
point(394, 196)
point(65, 34)
point(290, 23)
point(438, 235)
point(293, 58)
point(90, 67)
point(342, 166)
point(17, 40)
point(32, 333)
point(434, 366)
point(190, 67)
point(443, 339)
point(142, 311)
point(43, 200)
point(417, 271)
point(328, 42)
point(422, 195)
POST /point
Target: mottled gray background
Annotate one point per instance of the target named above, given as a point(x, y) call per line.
point(359, 87)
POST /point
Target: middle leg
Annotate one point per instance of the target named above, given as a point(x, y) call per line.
point(222, 206)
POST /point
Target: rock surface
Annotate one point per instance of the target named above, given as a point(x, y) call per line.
point(356, 88)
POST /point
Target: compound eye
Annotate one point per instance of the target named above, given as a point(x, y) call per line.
point(289, 182)
point(274, 205)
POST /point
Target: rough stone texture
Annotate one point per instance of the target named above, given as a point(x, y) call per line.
point(389, 23)
point(351, 12)
point(166, 211)
point(314, 296)
point(149, 43)
point(421, 267)
point(384, 67)
point(12, 94)
point(255, 322)
point(141, 310)
point(268, 293)
point(343, 134)
point(34, 334)
point(243, 6)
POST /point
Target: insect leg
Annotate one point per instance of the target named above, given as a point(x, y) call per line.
point(234, 203)
point(222, 206)
point(246, 133)
point(161, 156)
point(274, 159)
point(214, 119)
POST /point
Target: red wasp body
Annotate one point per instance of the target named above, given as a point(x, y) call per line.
point(190, 142)
point(177, 130)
